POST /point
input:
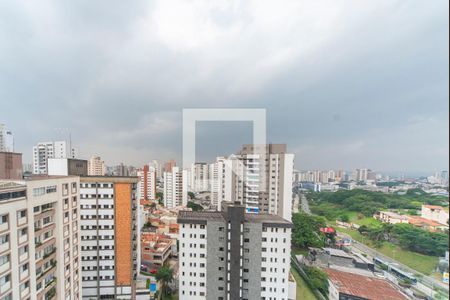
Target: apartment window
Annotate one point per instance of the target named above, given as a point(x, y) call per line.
point(4, 259)
point(23, 231)
point(5, 280)
point(4, 239)
point(3, 219)
point(23, 250)
point(22, 214)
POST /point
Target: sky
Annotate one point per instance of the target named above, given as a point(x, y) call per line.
point(345, 84)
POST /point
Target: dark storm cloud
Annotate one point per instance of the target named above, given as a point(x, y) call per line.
point(346, 84)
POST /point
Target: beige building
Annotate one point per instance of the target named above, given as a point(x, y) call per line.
point(40, 239)
point(391, 217)
point(11, 165)
point(96, 166)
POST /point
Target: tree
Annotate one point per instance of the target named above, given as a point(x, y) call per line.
point(318, 279)
point(306, 231)
point(159, 196)
point(165, 276)
point(191, 195)
point(194, 206)
point(344, 218)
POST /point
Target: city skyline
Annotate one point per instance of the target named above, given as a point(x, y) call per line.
point(384, 105)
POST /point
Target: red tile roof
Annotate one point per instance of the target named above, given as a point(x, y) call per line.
point(363, 286)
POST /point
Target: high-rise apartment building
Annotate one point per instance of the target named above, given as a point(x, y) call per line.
point(96, 166)
point(233, 255)
point(6, 139)
point(147, 183)
point(109, 240)
point(361, 174)
point(40, 239)
point(169, 165)
point(157, 167)
point(45, 150)
point(198, 177)
point(175, 188)
point(221, 181)
point(262, 179)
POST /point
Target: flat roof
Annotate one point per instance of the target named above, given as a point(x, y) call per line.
point(10, 184)
point(126, 179)
point(47, 177)
point(201, 217)
point(338, 252)
point(363, 286)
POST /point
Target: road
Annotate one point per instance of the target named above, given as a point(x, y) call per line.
point(304, 203)
point(427, 280)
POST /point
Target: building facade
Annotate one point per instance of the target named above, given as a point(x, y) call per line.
point(175, 188)
point(147, 183)
point(6, 139)
point(109, 240)
point(96, 166)
point(45, 150)
point(67, 166)
point(198, 177)
point(11, 165)
point(40, 239)
point(233, 255)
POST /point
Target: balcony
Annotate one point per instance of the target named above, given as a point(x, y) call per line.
point(5, 267)
point(5, 287)
point(23, 257)
point(24, 292)
point(4, 226)
point(4, 247)
point(44, 213)
point(41, 229)
point(24, 275)
point(22, 239)
point(22, 221)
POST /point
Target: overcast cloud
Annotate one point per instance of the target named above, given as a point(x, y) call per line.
point(345, 83)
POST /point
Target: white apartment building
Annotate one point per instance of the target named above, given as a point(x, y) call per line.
point(198, 177)
point(233, 255)
point(96, 166)
point(109, 236)
point(262, 179)
point(221, 181)
point(40, 239)
point(45, 150)
point(6, 139)
point(175, 188)
point(361, 174)
point(147, 183)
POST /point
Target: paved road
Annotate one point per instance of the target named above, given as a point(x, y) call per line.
point(304, 203)
point(427, 280)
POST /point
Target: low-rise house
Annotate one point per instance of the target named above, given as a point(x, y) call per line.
point(391, 217)
point(155, 249)
point(349, 286)
point(427, 224)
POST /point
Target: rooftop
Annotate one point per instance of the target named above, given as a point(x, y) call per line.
point(394, 215)
point(204, 216)
point(10, 184)
point(363, 286)
point(419, 221)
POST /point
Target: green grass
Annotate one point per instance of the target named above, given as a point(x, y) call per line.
point(298, 251)
point(303, 291)
point(422, 263)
